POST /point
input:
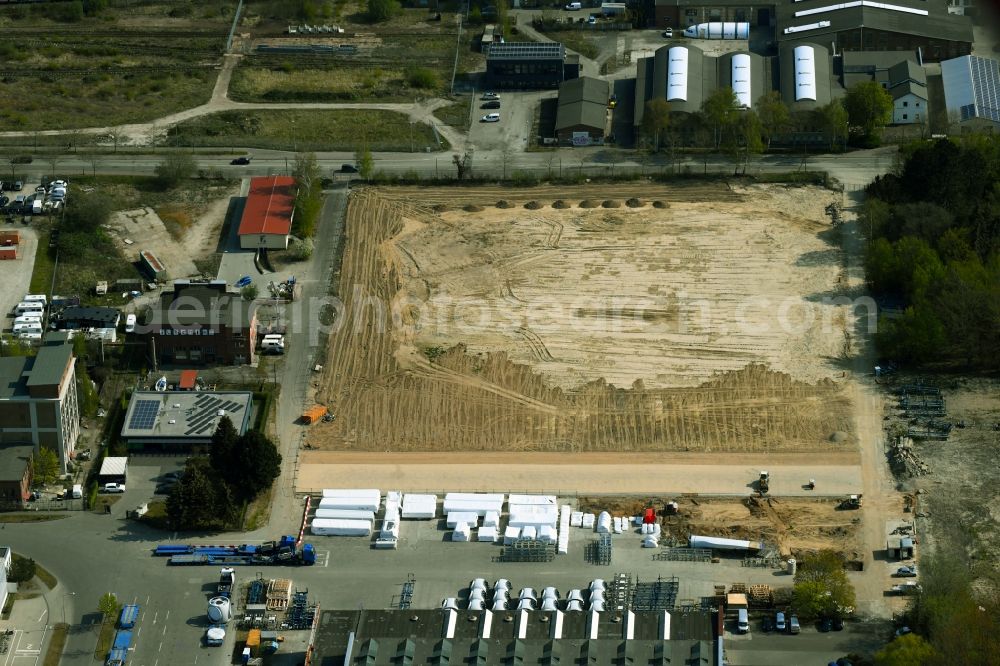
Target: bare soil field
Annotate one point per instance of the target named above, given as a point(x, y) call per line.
point(960, 501)
point(795, 526)
point(642, 317)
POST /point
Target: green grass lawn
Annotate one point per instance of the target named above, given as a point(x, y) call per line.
point(456, 114)
point(346, 129)
point(57, 642)
point(29, 517)
point(104, 640)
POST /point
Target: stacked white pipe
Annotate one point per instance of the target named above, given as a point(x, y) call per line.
point(421, 507)
point(604, 523)
point(349, 514)
point(565, 513)
point(511, 534)
point(651, 535)
point(462, 533)
point(360, 499)
point(340, 527)
point(589, 520)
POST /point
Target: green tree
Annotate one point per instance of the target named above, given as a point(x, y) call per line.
point(422, 77)
point(108, 605)
point(87, 394)
point(821, 587)
point(720, 112)
point(774, 116)
point(869, 110)
point(249, 292)
point(381, 10)
point(90, 211)
point(364, 161)
point(908, 650)
point(745, 138)
point(831, 118)
point(198, 500)
point(916, 336)
point(308, 196)
point(22, 569)
point(46, 466)
point(175, 169)
point(224, 450)
point(259, 464)
point(656, 121)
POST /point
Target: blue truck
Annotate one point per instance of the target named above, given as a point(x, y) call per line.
point(284, 551)
point(129, 616)
point(119, 649)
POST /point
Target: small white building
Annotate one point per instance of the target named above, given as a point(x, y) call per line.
point(908, 87)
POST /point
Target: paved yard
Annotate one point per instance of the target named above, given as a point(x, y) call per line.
point(15, 275)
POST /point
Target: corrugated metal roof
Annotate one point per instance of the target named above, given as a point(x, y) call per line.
point(269, 207)
point(114, 466)
point(939, 24)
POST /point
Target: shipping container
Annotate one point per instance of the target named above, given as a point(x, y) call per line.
point(313, 414)
point(340, 527)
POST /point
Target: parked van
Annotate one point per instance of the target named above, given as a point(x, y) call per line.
point(36, 207)
point(33, 307)
point(30, 336)
point(273, 346)
point(743, 621)
point(130, 323)
point(32, 327)
point(28, 319)
point(574, 6)
point(32, 298)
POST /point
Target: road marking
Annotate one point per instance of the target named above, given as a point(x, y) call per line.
point(42, 615)
point(167, 617)
point(154, 616)
point(164, 629)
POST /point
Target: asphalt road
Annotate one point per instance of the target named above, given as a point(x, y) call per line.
point(855, 169)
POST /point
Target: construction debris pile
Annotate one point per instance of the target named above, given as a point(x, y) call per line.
point(903, 460)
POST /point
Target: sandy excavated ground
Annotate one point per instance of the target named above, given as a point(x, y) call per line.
point(503, 329)
point(144, 228)
point(666, 297)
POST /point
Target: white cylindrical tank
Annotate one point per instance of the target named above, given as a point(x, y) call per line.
point(792, 566)
point(604, 523)
point(219, 610)
point(718, 30)
point(215, 635)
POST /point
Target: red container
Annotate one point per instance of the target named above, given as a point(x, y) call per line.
point(649, 517)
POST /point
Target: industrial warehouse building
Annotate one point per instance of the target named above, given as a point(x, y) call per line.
point(897, 72)
point(684, 76)
point(389, 637)
point(972, 90)
point(267, 213)
point(582, 117)
point(38, 401)
point(526, 66)
point(856, 25)
point(179, 420)
point(201, 323)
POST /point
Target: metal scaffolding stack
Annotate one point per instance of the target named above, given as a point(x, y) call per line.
point(654, 596)
point(620, 591)
point(600, 550)
point(683, 555)
point(405, 598)
point(528, 551)
point(300, 613)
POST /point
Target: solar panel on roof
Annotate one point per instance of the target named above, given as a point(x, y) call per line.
point(144, 414)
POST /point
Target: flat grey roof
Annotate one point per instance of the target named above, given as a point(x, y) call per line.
point(50, 363)
point(13, 459)
point(176, 416)
point(937, 24)
point(527, 51)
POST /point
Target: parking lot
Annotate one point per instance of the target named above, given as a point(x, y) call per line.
point(16, 273)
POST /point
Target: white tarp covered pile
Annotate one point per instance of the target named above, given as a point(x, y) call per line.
point(419, 506)
point(350, 514)
point(547, 534)
point(604, 523)
point(456, 517)
point(487, 533)
point(588, 521)
point(620, 524)
point(511, 534)
point(532, 511)
point(462, 533)
point(564, 522)
point(478, 503)
point(651, 535)
point(576, 519)
point(389, 533)
point(340, 527)
point(361, 499)
point(491, 519)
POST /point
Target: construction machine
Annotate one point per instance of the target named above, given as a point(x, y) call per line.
point(764, 482)
point(851, 502)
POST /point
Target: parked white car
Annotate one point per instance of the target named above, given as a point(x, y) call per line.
point(490, 118)
point(114, 487)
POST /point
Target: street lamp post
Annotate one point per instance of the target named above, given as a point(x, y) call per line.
point(68, 594)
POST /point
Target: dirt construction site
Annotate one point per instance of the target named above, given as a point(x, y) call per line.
point(687, 331)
